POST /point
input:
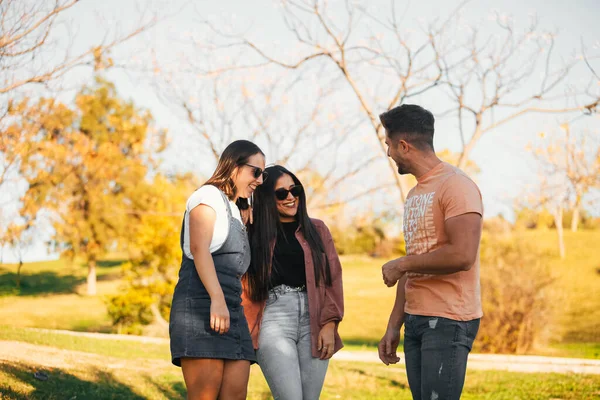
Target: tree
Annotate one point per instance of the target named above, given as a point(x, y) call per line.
point(277, 112)
point(26, 43)
point(19, 239)
point(549, 196)
point(32, 56)
point(154, 254)
point(482, 75)
point(573, 158)
point(86, 167)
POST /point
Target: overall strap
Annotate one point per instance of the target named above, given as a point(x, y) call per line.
point(226, 200)
point(181, 236)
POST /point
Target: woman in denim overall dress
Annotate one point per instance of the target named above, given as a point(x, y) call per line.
point(293, 296)
point(209, 334)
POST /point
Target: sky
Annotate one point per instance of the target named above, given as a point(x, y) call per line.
point(506, 167)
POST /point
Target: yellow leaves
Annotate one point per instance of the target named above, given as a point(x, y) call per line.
point(452, 158)
point(101, 59)
point(83, 165)
point(247, 93)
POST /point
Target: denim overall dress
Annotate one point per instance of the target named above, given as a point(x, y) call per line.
point(189, 326)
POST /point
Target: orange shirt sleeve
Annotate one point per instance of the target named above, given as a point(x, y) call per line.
point(460, 195)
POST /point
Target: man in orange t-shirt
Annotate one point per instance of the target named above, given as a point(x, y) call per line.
point(438, 297)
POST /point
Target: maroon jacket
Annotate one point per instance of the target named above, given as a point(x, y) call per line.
point(325, 304)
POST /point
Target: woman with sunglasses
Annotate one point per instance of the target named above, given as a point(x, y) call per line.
point(210, 339)
point(293, 296)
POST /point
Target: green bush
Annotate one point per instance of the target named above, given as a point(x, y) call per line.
point(130, 310)
point(366, 239)
point(527, 218)
point(517, 296)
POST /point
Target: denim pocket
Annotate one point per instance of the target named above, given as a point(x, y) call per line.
point(198, 317)
point(472, 329)
point(273, 297)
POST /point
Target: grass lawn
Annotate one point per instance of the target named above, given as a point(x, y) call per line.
point(90, 368)
point(578, 277)
point(52, 295)
point(368, 302)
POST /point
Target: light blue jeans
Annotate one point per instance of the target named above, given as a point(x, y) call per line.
point(284, 353)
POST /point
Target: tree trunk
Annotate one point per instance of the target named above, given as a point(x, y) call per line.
point(463, 159)
point(19, 274)
point(558, 221)
point(575, 220)
point(91, 278)
point(158, 318)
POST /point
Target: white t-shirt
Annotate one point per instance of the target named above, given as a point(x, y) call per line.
point(212, 197)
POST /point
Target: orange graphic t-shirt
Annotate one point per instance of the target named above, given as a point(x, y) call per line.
point(442, 193)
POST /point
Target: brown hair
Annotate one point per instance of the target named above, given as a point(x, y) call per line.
point(235, 154)
point(412, 123)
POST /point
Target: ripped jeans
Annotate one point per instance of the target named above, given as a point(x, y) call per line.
point(436, 351)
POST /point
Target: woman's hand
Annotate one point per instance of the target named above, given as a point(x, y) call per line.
point(326, 340)
point(219, 316)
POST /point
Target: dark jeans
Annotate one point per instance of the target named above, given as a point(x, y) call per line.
point(436, 351)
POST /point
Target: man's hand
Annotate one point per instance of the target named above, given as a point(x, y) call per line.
point(391, 272)
point(389, 345)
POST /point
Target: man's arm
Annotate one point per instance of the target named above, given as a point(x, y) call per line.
point(397, 315)
point(391, 339)
point(459, 254)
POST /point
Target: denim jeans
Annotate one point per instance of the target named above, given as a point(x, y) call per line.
point(284, 352)
point(436, 351)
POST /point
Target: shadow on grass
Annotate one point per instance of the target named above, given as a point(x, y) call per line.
point(388, 381)
point(51, 282)
point(353, 341)
point(37, 284)
point(109, 263)
point(170, 389)
point(62, 385)
point(91, 326)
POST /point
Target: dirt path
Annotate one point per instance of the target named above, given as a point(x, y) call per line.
point(501, 362)
point(52, 357)
point(476, 361)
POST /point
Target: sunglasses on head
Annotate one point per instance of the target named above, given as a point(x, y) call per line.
point(258, 172)
point(282, 193)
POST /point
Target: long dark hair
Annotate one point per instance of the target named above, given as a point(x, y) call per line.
point(264, 231)
point(235, 154)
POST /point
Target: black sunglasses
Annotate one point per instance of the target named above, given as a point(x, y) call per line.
point(282, 193)
point(258, 172)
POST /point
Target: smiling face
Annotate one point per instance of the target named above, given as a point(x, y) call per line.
point(244, 176)
point(287, 208)
point(397, 151)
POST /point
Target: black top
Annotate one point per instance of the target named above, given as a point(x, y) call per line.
point(288, 258)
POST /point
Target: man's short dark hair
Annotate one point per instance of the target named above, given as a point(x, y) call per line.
point(410, 122)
